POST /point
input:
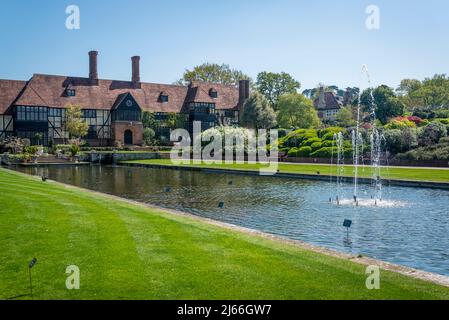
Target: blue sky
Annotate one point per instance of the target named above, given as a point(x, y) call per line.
point(315, 41)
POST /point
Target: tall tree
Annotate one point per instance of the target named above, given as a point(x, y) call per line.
point(74, 124)
point(296, 111)
point(258, 113)
point(273, 85)
point(386, 105)
point(213, 72)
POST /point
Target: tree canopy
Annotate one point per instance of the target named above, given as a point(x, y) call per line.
point(273, 85)
point(384, 102)
point(296, 111)
point(258, 113)
point(213, 72)
point(430, 94)
point(74, 124)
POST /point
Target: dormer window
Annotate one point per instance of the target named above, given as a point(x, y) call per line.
point(213, 93)
point(163, 97)
point(70, 92)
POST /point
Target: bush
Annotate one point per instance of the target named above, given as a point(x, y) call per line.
point(148, 136)
point(316, 145)
point(400, 124)
point(304, 152)
point(311, 141)
point(329, 132)
point(74, 150)
point(31, 150)
point(328, 143)
point(434, 152)
point(293, 152)
point(444, 113)
point(401, 140)
point(432, 133)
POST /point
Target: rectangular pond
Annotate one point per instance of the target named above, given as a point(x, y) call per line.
point(410, 226)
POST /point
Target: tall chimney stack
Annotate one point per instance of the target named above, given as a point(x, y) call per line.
point(243, 90)
point(136, 71)
point(93, 71)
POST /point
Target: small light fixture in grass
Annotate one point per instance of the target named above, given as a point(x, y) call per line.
point(30, 266)
point(221, 204)
point(167, 189)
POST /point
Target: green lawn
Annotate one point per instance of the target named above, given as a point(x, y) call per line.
point(409, 173)
point(129, 251)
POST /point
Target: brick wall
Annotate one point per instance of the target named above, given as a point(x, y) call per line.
point(119, 128)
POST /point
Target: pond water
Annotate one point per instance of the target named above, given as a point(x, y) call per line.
point(409, 227)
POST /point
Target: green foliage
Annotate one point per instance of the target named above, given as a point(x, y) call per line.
point(74, 124)
point(304, 151)
point(401, 140)
point(345, 117)
point(311, 141)
point(430, 95)
point(316, 145)
point(386, 104)
point(432, 133)
point(31, 150)
point(328, 133)
point(148, 136)
point(399, 124)
point(213, 72)
point(257, 113)
point(273, 85)
point(433, 152)
point(296, 111)
point(74, 150)
point(148, 120)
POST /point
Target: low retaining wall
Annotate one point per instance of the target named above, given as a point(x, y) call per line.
point(115, 157)
point(393, 162)
point(328, 178)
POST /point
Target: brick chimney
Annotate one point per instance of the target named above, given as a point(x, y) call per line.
point(136, 71)
point(93, 71)
point(243, 90)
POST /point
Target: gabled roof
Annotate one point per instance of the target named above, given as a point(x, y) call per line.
point(227, 98)
point(327, 101)
point(49, 90)
point(10, 90)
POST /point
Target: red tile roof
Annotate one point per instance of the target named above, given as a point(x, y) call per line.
point(49, 90)
point(9, 91)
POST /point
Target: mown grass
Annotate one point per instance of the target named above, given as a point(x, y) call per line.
point(130, 251)
point(406, 173)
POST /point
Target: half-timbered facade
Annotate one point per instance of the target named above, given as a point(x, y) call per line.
point(112, 108)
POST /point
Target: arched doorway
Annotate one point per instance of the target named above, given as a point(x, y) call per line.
point(128, 137)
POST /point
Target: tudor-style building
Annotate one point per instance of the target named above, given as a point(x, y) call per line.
point(327, 105)
point(112, 108)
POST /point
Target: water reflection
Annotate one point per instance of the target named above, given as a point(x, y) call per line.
point(411, 228)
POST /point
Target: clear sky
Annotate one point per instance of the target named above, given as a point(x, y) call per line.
point(315, 41)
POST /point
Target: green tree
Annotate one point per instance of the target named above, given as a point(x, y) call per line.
point(385, 103)
point(273, 85)
point(345, 117)
point(74, 124)
point(148, 136)
point(149, 120)
point(213, 72)
point(258, 113)
point(296, 111)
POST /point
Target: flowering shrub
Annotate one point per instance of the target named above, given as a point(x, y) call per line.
point(400, 123)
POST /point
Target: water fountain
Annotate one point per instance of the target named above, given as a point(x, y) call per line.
point(376, 140)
